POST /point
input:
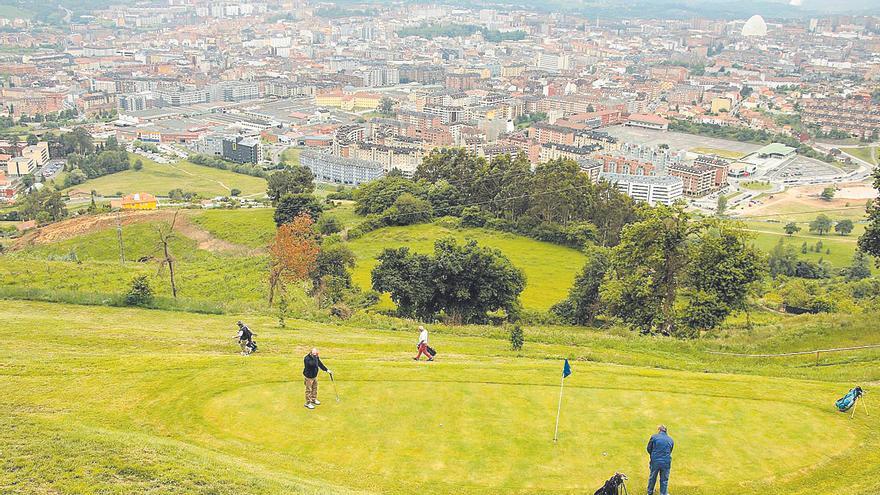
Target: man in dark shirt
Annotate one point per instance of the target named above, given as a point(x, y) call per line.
point(660, 447)
point(311, 364)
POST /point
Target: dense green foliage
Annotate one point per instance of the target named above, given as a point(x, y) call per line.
point(669, 274)
point(292, 180)
point(465, 282)
point(291, 205)
point(84, 167)
point(221, 164)
point(869, 242)
point(556, 202)
point(42, 205)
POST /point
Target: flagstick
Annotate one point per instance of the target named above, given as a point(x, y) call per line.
point(559, 408)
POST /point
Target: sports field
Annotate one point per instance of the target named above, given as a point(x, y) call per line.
point(120, 401)
point(158, 179)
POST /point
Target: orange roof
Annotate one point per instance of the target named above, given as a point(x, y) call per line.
point(138, 198)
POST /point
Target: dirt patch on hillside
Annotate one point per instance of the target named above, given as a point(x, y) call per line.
point(90, 224)
point(806, 198)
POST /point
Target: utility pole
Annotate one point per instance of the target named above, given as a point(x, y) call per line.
point(119, 239)
point(166, 233)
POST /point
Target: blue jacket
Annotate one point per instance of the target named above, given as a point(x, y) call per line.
point(660, 447)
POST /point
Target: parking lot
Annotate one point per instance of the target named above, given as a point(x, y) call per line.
point(676, 140)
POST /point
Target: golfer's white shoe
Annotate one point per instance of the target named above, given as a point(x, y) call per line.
point(317, 402)
point(309, 405)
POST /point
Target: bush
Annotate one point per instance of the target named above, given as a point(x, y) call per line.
point(140, 293)
point(235, 192)
point(329, 225)
point(516, 337)
point(341, 311)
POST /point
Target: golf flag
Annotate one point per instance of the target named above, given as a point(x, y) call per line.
point(566, 370)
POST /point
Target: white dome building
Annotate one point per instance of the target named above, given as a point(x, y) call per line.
point(755, 26)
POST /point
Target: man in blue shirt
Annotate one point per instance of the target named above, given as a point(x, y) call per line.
point(660, 447)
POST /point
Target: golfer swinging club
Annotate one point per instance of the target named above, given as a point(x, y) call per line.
point(660, 448)
point(310, 371)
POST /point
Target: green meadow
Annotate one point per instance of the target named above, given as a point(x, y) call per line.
point(159, 178)
point(118, 401)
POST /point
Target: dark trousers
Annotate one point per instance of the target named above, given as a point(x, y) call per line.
point(662, 468)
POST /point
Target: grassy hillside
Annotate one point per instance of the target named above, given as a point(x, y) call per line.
point(124, 401)
point(256, 227)
point(767, 235)
point(868, 154)
point(549, 269)
point(158, 179)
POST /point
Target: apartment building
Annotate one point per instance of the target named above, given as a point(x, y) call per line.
point(340, 170)
point(697, 180)
point(652, 190)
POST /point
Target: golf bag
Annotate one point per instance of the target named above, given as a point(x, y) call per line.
point(614, 486)
point(847, 402)
point(431, 351)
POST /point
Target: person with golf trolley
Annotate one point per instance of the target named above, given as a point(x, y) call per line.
point(312, 363)
point(245, 339)
point(423, 345)
point(660, 448)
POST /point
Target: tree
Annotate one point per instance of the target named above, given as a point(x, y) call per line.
point(293, 180)
point(139, 293)
point(646, 267)
point(722, 268)
point(516, 337)
point(463, 281)
point(32, 140)
point(844, 227)
point(782, 259)
point(869, 242)
point(138, 164)
point(722, 206)
point(584, 303)
point(42, 205)
point(791, 228)
point(235, 192)
point(329, 224)
point(386, 106)
point(292, 205)
point(827, 194)
point(331, 279)
point(560, 192)
point(378, 195)
point(407, 210)
point(292, 254)
point(822, 224)
point(860, 268)
point(165, 232)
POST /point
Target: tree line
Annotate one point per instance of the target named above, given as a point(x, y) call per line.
point(556, 202)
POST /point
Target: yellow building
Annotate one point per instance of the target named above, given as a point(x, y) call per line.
point(139, 201)
point(721, 105)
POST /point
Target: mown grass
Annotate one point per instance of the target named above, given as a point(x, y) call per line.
point(733, 155)
point(158, 179)
point(248, 227)
point(868, 154)
point(550, 269)
point(123, 401)
point(766, 236)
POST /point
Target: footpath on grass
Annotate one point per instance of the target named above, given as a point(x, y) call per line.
point(90, 224)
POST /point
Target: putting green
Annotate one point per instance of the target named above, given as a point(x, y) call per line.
point(497, 436)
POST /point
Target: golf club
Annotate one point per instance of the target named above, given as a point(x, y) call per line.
point(335, 391)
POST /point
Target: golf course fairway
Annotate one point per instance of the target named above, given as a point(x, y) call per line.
point(117, 401)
